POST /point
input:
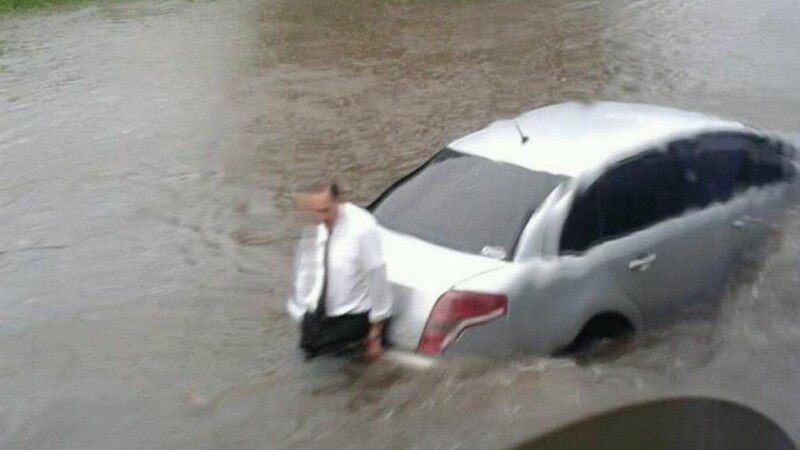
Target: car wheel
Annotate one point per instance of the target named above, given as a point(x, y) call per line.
point(606, 327)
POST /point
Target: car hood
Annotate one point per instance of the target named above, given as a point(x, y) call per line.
point(419, 273)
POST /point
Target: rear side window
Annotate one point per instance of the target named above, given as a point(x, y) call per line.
point(630, 197)
point(714, 176)
point(583, 227)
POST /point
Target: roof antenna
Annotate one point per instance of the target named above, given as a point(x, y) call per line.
point(524, 138)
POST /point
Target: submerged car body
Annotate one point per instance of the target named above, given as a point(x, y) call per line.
point(525, 234)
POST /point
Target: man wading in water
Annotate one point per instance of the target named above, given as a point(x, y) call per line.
point(341, 295)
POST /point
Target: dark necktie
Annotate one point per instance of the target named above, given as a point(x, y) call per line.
point(321, 307)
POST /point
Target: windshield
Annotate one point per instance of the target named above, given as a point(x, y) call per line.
point(466, 203)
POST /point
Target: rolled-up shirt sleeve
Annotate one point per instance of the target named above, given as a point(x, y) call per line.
point(380, 294)
point(375, 267)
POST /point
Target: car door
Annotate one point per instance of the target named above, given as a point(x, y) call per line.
point(714, 166)
point(635, 228)
point(745, 173)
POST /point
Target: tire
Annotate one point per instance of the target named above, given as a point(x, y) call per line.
point(601, 327)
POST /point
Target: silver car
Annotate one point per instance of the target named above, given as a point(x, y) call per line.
point(574, 221)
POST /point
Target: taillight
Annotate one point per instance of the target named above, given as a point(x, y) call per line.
point(454, 312)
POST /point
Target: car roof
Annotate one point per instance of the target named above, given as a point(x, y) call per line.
point(574, 138)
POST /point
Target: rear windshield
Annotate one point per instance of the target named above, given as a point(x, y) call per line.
point(466, 203)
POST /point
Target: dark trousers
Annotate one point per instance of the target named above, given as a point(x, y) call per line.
point(321, 335)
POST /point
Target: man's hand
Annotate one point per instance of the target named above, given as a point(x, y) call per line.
point(374, 348)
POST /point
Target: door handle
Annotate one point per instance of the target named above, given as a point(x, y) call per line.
point(642, 264)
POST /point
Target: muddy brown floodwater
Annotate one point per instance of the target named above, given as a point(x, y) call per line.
point(148, 152)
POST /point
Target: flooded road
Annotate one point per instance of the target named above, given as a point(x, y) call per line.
point(148, 153)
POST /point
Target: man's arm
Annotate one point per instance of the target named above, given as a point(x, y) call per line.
point(379, 289)
point(380, 295)
point(380, 311)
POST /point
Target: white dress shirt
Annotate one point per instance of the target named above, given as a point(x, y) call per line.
point(356, 280)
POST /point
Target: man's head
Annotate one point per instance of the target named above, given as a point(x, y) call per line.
point(321, 200)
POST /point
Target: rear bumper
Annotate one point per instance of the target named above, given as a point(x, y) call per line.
point(410, 360)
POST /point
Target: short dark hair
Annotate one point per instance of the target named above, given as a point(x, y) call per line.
point(327, 185)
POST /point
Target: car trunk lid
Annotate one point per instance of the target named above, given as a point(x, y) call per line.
point(419, 273)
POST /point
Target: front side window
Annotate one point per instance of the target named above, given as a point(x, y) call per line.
point(734, 162)
point(714, 168)
point(764, 167)
point(466, 203)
